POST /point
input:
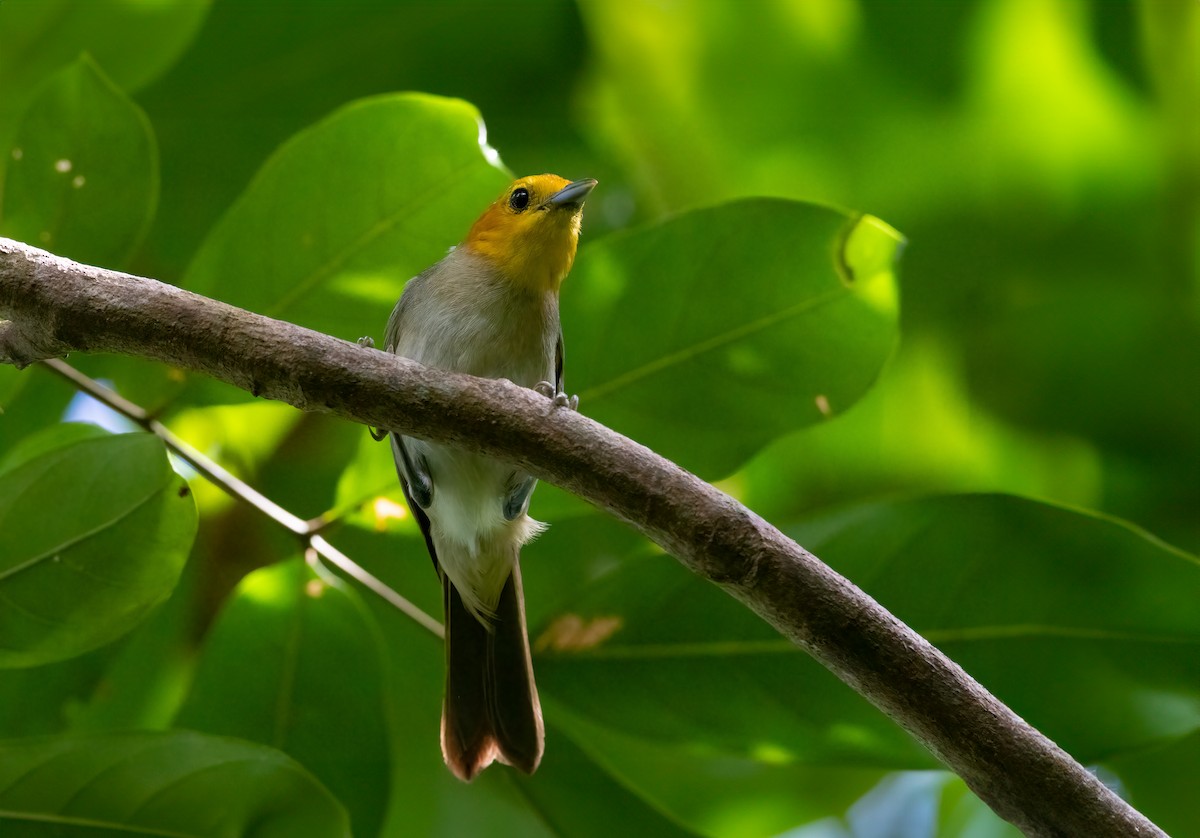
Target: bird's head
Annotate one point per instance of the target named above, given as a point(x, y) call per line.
point(531, 231)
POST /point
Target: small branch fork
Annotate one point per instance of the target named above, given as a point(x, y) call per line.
point(55, 306)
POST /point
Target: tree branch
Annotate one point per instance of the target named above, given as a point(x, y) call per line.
point(56, 306)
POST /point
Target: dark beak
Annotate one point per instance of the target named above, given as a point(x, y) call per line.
point(572, 195)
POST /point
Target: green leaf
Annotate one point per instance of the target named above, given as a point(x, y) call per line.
point(916, 432)
point(82, 180)
point(639, 653)
point(297, 663)
point(134, 42)
point(46, 440)
point(95, 534)
point(576, 796)
point(346, 211)
point(1083, 625)
point(181, 784)
point(709, 335)
point(35, 400)
point(11, 382)
point(963, 815)
point(44, 699)
point(371, 475)
point(246, 85)
point(715, 794)
point(1161, 782)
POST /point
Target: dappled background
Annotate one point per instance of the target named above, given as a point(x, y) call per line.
point(1040, 157)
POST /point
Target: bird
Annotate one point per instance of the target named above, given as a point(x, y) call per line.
point(489, 308)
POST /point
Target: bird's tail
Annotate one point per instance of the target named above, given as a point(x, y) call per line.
point(491, 710)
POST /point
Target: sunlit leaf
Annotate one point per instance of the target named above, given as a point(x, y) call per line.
point(368, 491)
point(296, 663)
point(46, 440)
point(94, 535)
point(345, 212)
point(247, 84)
point(82, 179)
point(180, 784)
point(708, 335)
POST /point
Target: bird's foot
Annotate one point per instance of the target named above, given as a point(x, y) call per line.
point(559, 398)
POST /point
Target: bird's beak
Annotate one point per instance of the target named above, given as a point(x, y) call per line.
point(572, 195)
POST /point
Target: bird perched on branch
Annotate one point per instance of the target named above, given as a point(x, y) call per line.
point(490, 309)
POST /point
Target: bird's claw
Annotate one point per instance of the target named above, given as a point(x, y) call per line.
point(367, 342)
point(559, 398)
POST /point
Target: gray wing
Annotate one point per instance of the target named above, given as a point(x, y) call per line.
point(413, 470)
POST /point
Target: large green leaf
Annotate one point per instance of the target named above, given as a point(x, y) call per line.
point(82, 179)
point(46, 440)
point(708, 335)
point(134, 42)
point(1085, 626)
point(95, 534)
point(179, 784)
point(247, 84)
point(660, 654)
point(348, 210)
point(296, 663)
point(716, 794)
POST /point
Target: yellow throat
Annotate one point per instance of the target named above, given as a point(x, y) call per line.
point(530, 232)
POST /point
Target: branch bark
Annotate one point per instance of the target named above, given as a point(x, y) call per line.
point(55, 306)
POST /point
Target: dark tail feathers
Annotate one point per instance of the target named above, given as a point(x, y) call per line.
point(491, 710)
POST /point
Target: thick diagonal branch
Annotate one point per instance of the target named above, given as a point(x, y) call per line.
point(54, 306)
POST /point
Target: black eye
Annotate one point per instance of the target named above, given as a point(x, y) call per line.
point(519, 199)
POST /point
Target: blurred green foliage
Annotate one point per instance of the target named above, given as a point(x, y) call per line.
point(1041, 157)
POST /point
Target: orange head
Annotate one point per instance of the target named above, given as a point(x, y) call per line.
point(530, 233)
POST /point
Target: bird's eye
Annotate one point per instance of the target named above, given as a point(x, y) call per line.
point(519, 199)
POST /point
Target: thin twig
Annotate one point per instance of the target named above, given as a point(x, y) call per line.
point(306, 531)
point(350, 568)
